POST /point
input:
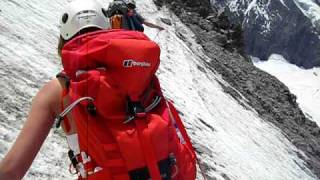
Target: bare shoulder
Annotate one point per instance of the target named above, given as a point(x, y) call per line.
point(52, 87)
point(49, 96)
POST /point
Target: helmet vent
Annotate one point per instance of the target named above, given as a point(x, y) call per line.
point(64, 18)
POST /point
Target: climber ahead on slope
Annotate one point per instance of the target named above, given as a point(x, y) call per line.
point(108, 100)
point(123, 15)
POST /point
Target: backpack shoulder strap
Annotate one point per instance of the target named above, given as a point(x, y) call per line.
point(64, 81)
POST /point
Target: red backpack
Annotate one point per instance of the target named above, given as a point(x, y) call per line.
point(126, 129)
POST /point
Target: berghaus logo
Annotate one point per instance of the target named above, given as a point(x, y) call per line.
point(132, 63)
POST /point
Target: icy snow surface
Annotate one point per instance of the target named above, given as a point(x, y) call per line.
point(304, 83)
point(234, 141)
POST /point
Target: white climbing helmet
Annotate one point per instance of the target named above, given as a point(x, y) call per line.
point(81, 14)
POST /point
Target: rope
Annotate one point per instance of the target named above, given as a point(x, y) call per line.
point(201, 169)
point(71, 106)
point(156, 36)
point(154, 104)
point(315, 93)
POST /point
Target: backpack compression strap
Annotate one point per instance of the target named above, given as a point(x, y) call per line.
point(146, 144)
point(64, 82)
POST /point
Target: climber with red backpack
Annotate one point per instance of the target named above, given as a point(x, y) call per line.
point(108, 100)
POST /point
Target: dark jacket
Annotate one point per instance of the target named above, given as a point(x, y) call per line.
point(135, 21)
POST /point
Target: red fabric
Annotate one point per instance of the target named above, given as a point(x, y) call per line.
point(114, 146)
point(148, 149)
point(111, 49)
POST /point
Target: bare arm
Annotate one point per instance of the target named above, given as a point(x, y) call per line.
point(149, 24)
point(34, 132)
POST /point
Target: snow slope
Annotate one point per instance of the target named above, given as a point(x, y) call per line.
point(304, 83)
point(232, 140)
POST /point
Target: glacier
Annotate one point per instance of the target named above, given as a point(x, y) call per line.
point(304, 83)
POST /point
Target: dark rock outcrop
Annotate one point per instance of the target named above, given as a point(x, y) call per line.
point(276, 27)
point(273, 101)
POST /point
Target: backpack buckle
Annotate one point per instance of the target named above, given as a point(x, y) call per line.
point(135, 110)
point(141, 115)
point(92, 110)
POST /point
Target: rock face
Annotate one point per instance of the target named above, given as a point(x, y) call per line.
point(289, 28)
point(267, 95)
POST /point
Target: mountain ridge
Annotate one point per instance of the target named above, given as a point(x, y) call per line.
point(290, 28)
